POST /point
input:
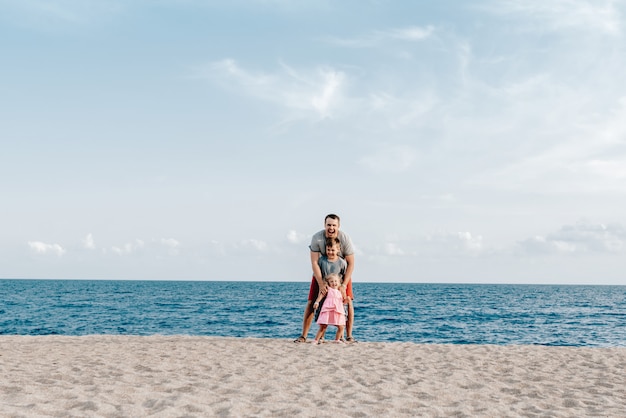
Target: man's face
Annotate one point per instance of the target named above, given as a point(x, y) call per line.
point(331, 227)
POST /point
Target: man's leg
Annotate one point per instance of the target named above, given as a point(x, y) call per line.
point(308, 311)
point(349, 320)
point(308, 318)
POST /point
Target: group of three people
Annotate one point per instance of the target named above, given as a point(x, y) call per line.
point(332, 262)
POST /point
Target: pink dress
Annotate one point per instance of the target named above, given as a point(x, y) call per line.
point(332, 312)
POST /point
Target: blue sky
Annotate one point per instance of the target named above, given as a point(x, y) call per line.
point(479, 141)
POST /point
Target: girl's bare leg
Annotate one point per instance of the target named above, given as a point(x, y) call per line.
point(339, 334)
point(320, 333)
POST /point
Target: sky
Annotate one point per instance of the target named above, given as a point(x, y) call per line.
point(460, 142)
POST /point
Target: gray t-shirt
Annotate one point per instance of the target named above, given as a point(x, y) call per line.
point(327, 267)
point(318, 243)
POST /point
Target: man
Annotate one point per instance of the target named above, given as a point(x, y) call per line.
point(318, 248)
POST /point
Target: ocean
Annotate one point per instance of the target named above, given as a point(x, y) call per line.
point(590, 316)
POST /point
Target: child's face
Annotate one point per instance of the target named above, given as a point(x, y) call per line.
point(333, 282)
point(332, 251)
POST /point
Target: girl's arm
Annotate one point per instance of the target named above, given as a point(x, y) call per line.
point(318, 300)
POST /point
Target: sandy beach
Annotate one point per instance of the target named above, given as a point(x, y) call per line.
point(183, 376)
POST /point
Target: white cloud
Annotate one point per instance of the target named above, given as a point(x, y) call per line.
point(171, 244)
point(316, 92)
point(256, 245)
point(542, 245)
point(470, 242)
point(582, 238)
point(463, 242)
point(295, 237)
point(593, 15)
point(414, 33)
point(437, 246)
point(43, 248)
point(392, 249)
point(89, 242)
point(376, 38)
point(129, 248)
point(583, 155)
point(257, 83)
point(323, 101)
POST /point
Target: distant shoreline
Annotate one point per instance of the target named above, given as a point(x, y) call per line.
point(308, 280)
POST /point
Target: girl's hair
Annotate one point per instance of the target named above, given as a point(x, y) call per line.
point(328, 276)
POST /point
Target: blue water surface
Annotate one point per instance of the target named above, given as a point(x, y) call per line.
point(423, 313)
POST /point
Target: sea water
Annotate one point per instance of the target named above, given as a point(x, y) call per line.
point(387, 312)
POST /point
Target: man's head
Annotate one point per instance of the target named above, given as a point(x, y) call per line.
point(331, 225)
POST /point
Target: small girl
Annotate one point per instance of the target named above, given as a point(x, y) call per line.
point(332, 312)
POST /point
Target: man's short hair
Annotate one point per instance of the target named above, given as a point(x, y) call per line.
point(332, 216)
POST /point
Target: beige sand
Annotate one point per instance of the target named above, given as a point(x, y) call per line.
point(177, 376)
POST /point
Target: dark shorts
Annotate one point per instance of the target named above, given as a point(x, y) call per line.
point(315, 289)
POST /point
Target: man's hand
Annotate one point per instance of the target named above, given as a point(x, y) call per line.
point(323, 288)
point(342, 289)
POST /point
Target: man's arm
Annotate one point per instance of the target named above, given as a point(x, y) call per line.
point(347, 278)
point(317, 272)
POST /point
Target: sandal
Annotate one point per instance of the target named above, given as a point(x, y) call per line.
point(350, 340)
point(300, 339)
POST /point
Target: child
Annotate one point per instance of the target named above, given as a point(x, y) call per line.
point(332, 312)
point(331, 262)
